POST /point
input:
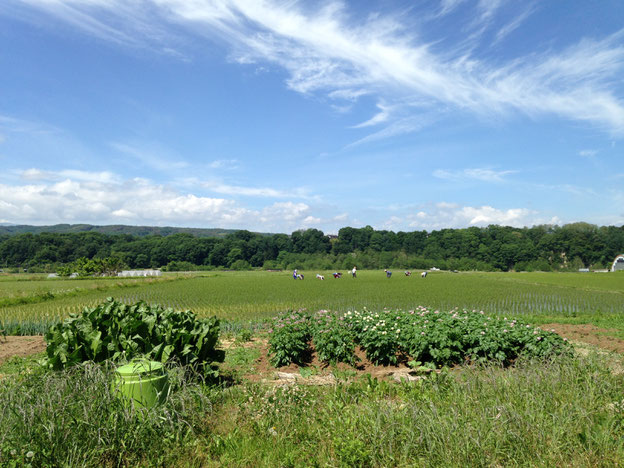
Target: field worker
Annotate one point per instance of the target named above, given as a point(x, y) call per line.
point(321, 277)
point(354, 272)
point(408, 273)
point(388, 273)
point(423, 274)
point(295, 276)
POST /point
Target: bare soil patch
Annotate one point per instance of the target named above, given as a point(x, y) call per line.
point(322, 373)
point(587, 334)
point(20, 346)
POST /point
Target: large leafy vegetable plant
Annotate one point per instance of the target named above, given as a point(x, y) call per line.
point(119, 332)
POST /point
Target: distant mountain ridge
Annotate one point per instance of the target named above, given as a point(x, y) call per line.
point(12, 229)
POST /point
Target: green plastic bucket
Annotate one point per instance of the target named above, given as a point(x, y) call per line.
point(144, 382)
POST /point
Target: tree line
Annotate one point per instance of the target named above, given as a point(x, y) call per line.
point(492, 248)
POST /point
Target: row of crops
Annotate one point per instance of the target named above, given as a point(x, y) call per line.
point(260, 295)
point(419, 336)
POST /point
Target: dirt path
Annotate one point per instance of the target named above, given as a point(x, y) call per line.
point(587, 334)
point(20, 346)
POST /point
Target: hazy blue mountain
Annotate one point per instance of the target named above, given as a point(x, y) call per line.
point(12, 229)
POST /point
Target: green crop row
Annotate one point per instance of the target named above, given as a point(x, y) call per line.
point(421, 336)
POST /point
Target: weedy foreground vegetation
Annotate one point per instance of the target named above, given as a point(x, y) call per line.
point(488, 388)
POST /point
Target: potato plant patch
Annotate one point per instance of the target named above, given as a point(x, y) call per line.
point(431, 337)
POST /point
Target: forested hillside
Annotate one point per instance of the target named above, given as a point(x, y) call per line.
point(12, 229)
point(545, 248)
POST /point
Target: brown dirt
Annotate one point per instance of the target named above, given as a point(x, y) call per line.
point(20, 346)
point(322, 372)
point(587, 334)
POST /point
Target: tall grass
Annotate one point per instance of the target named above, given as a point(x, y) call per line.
point(75, 418)
point(562, 413)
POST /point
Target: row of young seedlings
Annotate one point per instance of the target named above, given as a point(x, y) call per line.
point(421, 336)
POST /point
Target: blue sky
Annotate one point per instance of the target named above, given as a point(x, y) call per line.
point(275, 116)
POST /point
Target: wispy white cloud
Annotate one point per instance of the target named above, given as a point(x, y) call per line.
point(382, 116)
point(448, 6)
point(10, 124)
point(82, 176)
point(217, 185)
point(226, 164)
point(239, 190)
point(150, 155)
point(588, 153)
point(514, 24)
point(481, 174)
point(395, 128)
point(325, 51)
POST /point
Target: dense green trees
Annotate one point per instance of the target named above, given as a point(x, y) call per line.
point(491, 248)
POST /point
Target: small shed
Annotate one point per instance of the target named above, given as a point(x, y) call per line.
point(618, 263)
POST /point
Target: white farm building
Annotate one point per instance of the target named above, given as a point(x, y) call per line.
point(128, 273)
point(618, 263)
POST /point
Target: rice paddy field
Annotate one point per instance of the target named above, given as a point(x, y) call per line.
point(28, 304)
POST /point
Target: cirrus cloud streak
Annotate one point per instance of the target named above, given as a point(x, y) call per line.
point(329, 50)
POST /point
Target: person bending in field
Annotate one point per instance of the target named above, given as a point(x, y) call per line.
point(295, 275)
point(337, 275)
point(408, 273)
point(423, 274)
point(321, 277)
point(388, 273)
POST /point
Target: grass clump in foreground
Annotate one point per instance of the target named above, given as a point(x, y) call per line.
point(564, 412)
point(75, 417)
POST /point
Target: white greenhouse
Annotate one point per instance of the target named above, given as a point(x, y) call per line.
point(129, 273)
point(618, 263)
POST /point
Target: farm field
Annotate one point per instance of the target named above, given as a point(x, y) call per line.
point(561, 411)
point(29, 306)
